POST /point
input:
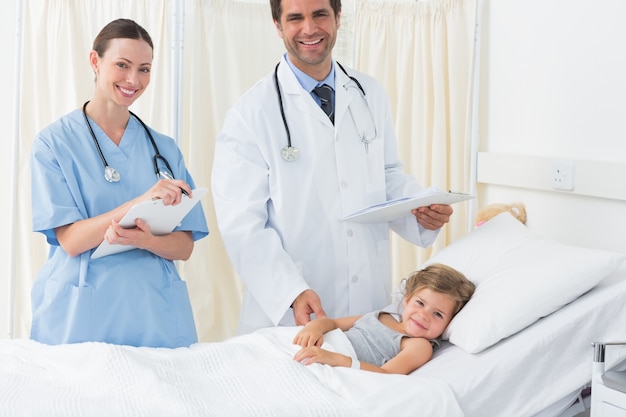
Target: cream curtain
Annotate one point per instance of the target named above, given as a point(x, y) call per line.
point(229, 46)
point(421, 52)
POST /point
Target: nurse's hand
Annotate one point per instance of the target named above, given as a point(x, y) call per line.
point(172, 246)
point(117, 235)
point(305, 304)
point(170, 191)
point(434, 216)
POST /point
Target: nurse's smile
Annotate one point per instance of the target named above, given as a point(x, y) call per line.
point(126, 92)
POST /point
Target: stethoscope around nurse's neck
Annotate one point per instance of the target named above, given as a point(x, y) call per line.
point(290, 153)
point(110, 173)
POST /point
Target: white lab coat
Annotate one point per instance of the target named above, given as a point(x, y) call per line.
point(280, 220)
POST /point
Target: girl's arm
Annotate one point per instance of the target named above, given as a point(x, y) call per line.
point(312, 334)
point(414, 353)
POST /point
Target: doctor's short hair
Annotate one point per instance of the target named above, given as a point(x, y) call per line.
point(443, 279)
point(120, 29)
point(277, 9)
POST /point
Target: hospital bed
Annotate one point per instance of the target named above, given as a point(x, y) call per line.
point(544, 370)
point(535, 363)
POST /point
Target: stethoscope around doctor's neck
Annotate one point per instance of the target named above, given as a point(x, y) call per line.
point(291, 153)
point(110, 173)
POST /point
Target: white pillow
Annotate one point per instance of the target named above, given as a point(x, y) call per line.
point(519, 277)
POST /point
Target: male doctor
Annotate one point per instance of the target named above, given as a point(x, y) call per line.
point(279, 207)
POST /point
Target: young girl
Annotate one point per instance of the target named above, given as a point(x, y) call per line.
point(432, 297)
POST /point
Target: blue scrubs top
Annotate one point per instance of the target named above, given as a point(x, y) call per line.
point(133, 298)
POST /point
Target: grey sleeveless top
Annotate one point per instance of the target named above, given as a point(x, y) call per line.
point(374, 342)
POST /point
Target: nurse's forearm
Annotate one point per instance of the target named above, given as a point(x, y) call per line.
point(175, 246)
point(83, 235)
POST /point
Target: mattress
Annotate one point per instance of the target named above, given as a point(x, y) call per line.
point(542, 369)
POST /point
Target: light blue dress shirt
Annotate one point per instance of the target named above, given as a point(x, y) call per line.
point(309, 83)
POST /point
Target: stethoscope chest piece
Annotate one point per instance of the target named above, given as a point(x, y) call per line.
point(290, 153)
point(111, 174)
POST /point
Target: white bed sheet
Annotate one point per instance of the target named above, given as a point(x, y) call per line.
point(542, 369)
point(251, 375)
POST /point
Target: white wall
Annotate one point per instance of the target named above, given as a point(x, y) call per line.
point(553, 78)
point(8, 27)
point(553, 86)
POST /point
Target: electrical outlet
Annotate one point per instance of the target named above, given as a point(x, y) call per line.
point(562, 175)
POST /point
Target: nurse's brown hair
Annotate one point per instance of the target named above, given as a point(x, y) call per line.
point(120, 29)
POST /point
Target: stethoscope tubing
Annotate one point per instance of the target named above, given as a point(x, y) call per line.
point(155, 158)
point(282, 107)
point(157, 154)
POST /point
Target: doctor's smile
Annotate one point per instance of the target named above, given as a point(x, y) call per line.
point(312, 42)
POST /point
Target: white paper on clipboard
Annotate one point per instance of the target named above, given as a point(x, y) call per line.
point(400, 207)
point(162, 219)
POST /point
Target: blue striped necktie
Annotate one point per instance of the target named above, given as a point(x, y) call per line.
point(325, 93)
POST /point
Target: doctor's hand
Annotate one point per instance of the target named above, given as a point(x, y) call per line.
point(305, 304)
point(434, 216)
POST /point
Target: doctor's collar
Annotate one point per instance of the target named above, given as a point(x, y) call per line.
point(306, 81)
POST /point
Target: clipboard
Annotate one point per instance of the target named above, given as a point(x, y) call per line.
point(162, 219)
point(400, 207)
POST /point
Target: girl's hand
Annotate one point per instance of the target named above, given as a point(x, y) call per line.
point(312, 334)
point(309, 336)
point(314, 354)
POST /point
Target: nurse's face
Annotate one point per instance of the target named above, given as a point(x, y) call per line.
point(123, 73)
point(309, 30)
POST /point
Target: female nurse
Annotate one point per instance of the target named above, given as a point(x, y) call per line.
point(88, 168)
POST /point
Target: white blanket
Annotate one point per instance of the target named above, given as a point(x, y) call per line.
point(248, 375)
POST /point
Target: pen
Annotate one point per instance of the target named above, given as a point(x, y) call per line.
point(167, 176)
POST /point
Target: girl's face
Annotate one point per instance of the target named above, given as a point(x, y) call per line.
point(123, 73)
point(427, 313)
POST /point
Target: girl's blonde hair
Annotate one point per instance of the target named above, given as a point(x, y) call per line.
point(443, 279)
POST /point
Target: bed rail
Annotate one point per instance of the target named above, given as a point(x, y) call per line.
point(600, 347)
point(609, 387)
